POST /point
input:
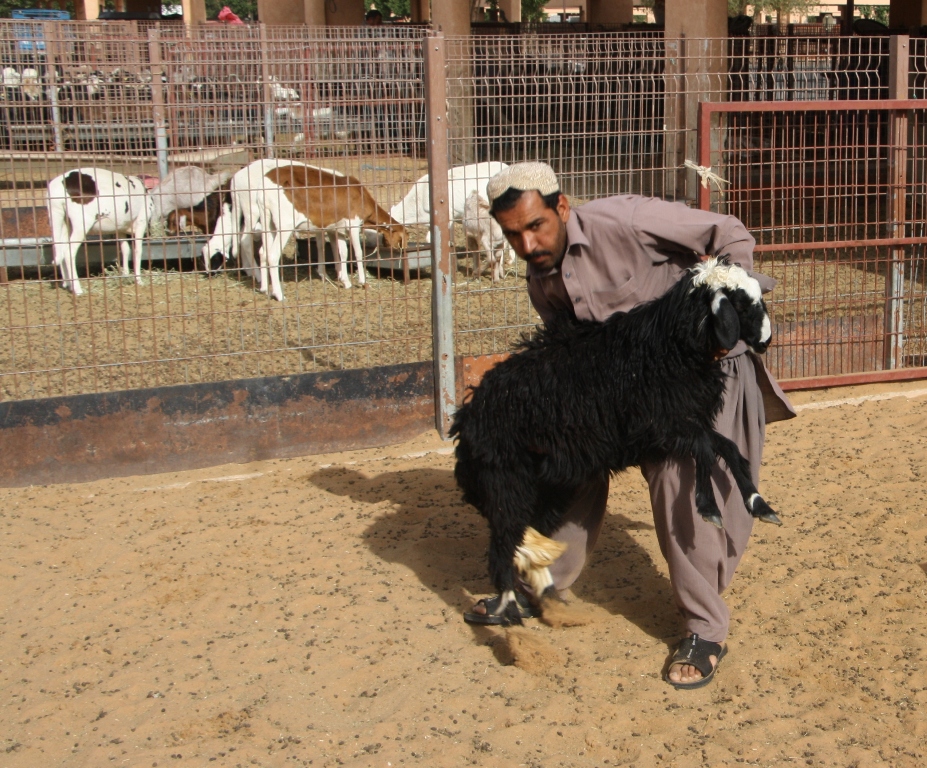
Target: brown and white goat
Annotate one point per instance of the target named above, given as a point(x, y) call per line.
point(275, 198)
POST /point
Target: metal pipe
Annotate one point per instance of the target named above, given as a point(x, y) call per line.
point(157, 101)
point(442, 304)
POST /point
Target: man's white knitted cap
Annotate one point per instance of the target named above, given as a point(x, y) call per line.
point(523, 176)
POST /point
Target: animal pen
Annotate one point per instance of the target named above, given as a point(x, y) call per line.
point(819, 144)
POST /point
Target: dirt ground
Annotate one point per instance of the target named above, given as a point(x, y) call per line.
point(308, 612)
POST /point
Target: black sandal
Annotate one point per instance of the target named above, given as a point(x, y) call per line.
point(695, 651)
point(492, 615)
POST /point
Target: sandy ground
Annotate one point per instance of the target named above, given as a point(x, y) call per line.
point(308, 612)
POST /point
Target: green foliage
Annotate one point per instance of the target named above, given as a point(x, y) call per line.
point(782, 8)
point(396, 9)
point(246, 10)
point(875, 12)
point(737, 8)
point(533, 10)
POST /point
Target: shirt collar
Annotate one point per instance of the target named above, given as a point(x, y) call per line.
point(576, 238)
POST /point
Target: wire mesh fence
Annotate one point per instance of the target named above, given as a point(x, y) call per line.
point(155, 104)
point(614, 113)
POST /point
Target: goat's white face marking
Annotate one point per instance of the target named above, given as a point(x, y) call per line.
point(766, 334)
point(716, 276)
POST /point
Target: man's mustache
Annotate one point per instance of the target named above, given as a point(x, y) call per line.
point(537, 254)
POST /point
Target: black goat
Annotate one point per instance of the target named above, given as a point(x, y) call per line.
point(584, 399)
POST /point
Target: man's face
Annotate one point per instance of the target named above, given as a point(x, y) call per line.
point(536, 232)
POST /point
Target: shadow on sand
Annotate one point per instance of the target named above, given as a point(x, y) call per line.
point(443, 541)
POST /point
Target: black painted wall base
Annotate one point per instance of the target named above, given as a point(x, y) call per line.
point(87, 437)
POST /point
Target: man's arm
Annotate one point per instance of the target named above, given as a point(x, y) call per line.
point(673, 228)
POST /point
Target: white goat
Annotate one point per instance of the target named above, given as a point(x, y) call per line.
point(185, 187)
point(415, 207)
point(484, 237)
point(96, 201)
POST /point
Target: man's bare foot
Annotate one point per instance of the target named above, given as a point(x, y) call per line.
point(694, 662)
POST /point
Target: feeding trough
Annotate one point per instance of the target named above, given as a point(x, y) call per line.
point(416, 256)
point(32, 247)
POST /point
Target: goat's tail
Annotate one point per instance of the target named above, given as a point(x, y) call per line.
point(533, 558)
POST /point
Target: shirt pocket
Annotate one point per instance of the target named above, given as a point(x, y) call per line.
point(616, 298)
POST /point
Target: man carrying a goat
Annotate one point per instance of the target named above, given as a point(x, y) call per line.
point(612, 255)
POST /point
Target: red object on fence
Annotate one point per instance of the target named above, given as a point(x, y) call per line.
point(227, 16)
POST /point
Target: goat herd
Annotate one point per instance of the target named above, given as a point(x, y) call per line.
point(267, 199)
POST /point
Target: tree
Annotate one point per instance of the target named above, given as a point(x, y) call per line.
point(737, 8)
point(400, 9)
point(875, 12)
point(533, 10)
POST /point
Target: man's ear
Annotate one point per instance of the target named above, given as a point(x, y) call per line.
point(725, 323)
point(563, 208)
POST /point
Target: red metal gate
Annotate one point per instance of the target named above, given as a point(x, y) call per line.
point(835, 193)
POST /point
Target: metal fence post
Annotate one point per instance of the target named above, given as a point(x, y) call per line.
point(157, 100)
point(442, 274)
point(893, 349)
point(267, 95)
point(52, 54)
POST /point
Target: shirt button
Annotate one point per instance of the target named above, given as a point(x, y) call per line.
point(567, 274)
point(577, 299)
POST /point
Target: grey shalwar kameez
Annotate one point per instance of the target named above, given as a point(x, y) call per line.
point(623, 251)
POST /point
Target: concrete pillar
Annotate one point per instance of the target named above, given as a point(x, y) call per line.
point(194, 11)
point(696, 66)
point(511, 9)
point(344, 13)
point(421, 11)
point(291, 12)
point(696, 18)
point(609, 11)
point(908, 14)
point(86, 9)
point(451, 16)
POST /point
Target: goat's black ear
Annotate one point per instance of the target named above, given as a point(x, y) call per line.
point(726, 324)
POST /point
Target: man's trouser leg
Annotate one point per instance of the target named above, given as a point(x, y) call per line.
point(580, 530)
point(702, 558)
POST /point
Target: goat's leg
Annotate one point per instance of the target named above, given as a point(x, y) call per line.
point(320, 254)
point(67, 261)
point(509, 500)
point(125, 250)
point(271, 264)
point(740, 469)
point(266, 244)
point(340, 248)
point(473, 245)
point(498, 263)
point(355, 234)
point(69, 268)
point(138, 233)
point(705, 501)
point(244, 254)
